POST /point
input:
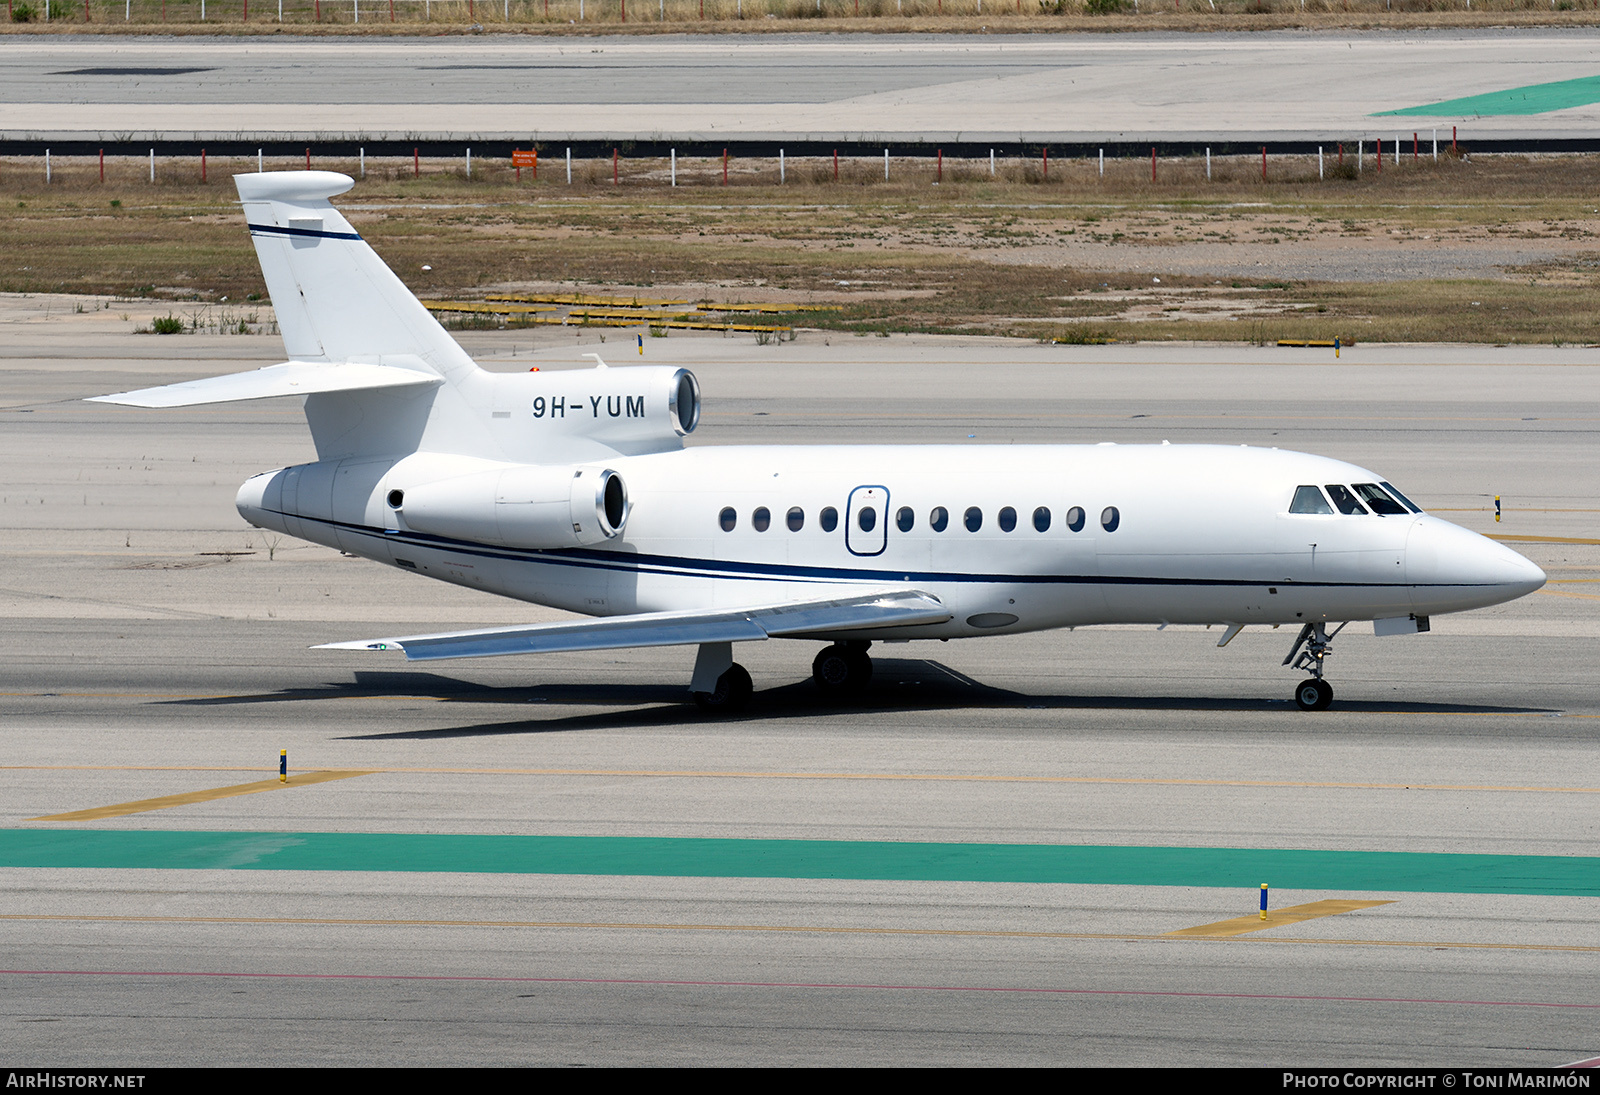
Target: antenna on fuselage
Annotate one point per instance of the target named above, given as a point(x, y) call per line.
point(598, 363)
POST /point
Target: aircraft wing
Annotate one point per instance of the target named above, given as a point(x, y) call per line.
point(822, 618)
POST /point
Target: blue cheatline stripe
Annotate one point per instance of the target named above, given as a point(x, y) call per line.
point(680, 857)
point(632, 562)
point(316, 233)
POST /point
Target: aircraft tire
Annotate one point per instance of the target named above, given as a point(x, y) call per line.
point(732, 694)
point(837, 669)
point(1313, 694)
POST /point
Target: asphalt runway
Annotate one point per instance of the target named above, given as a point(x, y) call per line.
point(1002, 89)
point(154, 646)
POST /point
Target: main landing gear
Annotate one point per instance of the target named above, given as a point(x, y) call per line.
point(731, 693)
point(721, 686)
point(842, 668)
point(1315, 694)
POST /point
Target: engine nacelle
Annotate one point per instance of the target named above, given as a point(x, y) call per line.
point(341, 502)
point(583, 415)
point(516, 505)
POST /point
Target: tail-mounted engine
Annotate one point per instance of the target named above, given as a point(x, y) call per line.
point(585, 414)
point(342, 503)
point(516, 505)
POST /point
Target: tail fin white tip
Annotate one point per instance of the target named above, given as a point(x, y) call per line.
point(292, 186)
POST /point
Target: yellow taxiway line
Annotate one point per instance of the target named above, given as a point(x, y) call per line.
point(914, 777)
point(808, 929)
point(1294, 914)
point(189, 798)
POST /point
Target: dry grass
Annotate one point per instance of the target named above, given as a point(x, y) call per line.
point(1013, 254)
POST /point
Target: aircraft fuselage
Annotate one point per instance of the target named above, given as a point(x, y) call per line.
point(1009, 538)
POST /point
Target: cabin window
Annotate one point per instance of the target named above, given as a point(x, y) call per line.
point(1408, 503)
point(973, 518)
point(939, 519)
point(1041, 519)
point(1379, 502)
point(905, 519)
point(867, 519)
point(829, 518)
point(796, 519)
point(1308, 499)
point(761, 519)
point(1075, 518)
point(1008, 519)
point(727, 519)
point(1110, 518)
point(1345, 500)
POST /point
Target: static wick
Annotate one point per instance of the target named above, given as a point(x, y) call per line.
point(1263, 901)
point(283, 769)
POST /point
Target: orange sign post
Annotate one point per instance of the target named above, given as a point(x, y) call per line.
point(521, 159)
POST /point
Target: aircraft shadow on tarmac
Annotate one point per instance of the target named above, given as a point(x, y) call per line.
point(898, 685)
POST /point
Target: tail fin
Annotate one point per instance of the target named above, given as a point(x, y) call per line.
point(335, 299)
point(337, 303)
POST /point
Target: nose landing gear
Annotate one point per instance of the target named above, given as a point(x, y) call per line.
point(1315, 694)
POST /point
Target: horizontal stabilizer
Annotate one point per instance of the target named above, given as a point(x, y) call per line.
point(289, 378)
point(827, 618)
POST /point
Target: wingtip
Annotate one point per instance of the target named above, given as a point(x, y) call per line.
point(361, 644)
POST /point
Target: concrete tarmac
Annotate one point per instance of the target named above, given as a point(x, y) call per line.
point(999, 89)
point(154, 645)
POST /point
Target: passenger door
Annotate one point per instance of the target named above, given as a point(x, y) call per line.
point(866, 521)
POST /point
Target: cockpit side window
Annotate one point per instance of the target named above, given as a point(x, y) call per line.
point(1379, 502)
point(1408, 503)
point(1309, 499)
point(1345, 500)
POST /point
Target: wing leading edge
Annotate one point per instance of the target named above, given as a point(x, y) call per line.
point(823, 619)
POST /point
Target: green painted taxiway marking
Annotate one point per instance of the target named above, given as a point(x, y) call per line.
point(1409, 872)
point(1533, 99)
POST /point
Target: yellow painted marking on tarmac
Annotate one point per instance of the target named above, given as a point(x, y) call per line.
point(1545, 539)
point(669, 773)
point(810, 929)
point(123, 809)
point(1569, 593)
point(1294, 914)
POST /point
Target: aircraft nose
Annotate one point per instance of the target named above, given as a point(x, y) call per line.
point(1451, 569)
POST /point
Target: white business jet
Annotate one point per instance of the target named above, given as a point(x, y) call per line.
point(573, 489)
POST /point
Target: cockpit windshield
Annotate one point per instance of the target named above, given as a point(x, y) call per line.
point(1345, 500)
point(1379, 498)
point(1308, 499)
point(1408, 503)
point(1379, 502)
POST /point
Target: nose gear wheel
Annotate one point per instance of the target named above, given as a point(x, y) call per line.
point(1315, 694)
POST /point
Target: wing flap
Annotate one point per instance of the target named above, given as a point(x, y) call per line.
point(288, 378)
point(891, 608)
